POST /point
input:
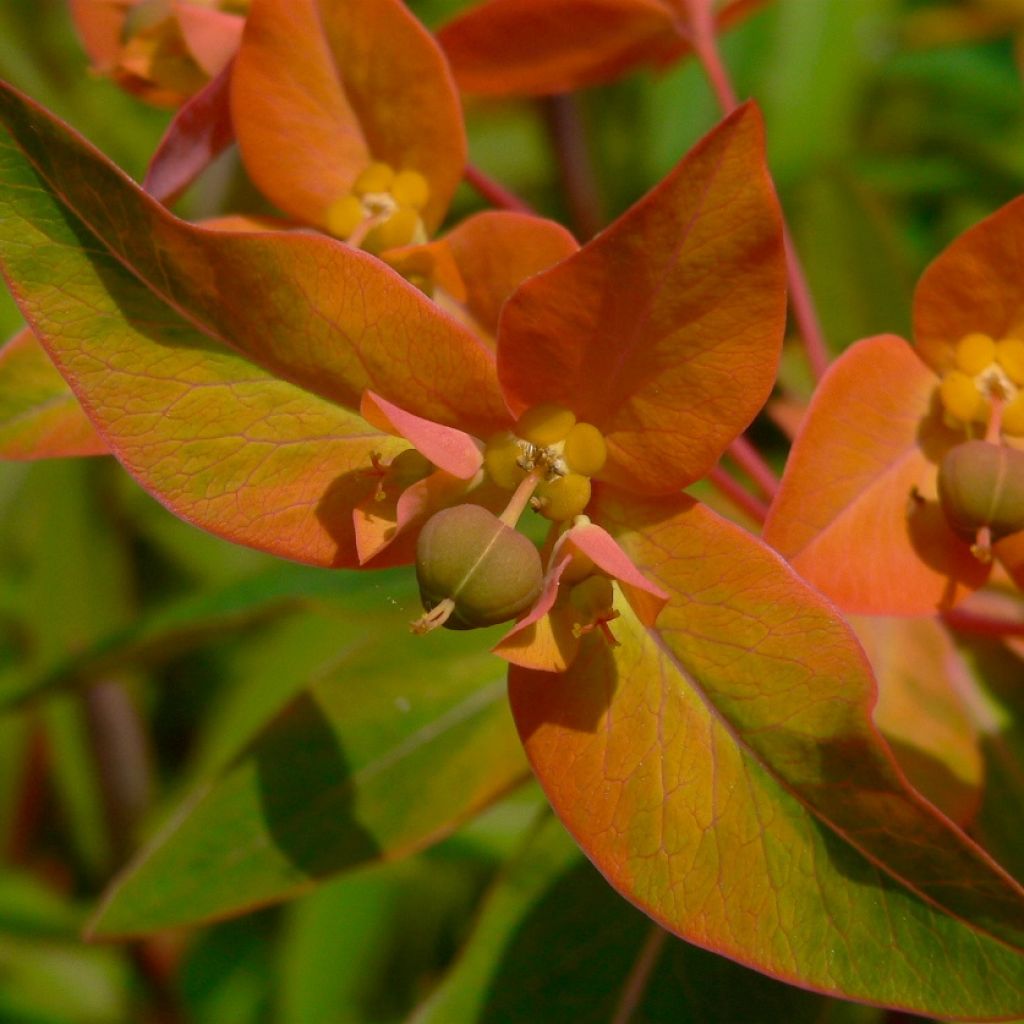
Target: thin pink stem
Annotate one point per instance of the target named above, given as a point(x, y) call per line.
point(494, 192)
point(982, 625)
point(639, 976)
point(750, 460)
point(734, 492)
point(699, 30)
point(568, 136)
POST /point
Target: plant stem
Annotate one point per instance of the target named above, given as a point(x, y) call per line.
point(568, 136)
point(734, 492)
point(640, 975)
point(981, 625)
point(750, 460)
point(494, 192)
point(699, 30)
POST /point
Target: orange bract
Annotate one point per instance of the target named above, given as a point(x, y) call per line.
point(857, 512)
point(536, 47)
point(321, 90)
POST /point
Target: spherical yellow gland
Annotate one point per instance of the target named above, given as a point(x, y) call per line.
point(409, 466)
point(585, 450)
point(563, 497)
point(378, 177)
point(410, 188)
point(501, 460)
point(593, 598)
point(398, 230)
point(975, 352)
point(1013, 416)
point(344, 215)
point(545, 424)
point(1010, 356)
point(961, 398)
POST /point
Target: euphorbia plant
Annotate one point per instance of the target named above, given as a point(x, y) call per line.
point(864, 473)
point(715, 757)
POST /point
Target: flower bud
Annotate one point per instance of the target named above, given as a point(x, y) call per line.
point(982, 485)
point(486, 570)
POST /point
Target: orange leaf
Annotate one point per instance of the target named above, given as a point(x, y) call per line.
point(533, 47)
point(336, 320)
point(40, 418)
point(536, 47)
point(857, 512)
point(973, 285)
point(321, 89)
point(665, 330)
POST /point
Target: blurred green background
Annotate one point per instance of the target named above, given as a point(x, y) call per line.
point(893, 125)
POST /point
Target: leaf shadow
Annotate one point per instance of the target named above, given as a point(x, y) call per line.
point(578, 699)
point(577, 950)
point(307, 792)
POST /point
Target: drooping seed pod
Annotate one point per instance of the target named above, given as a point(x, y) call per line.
point(486, 570)
point(982, 485)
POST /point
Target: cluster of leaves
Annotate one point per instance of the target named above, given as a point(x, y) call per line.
point(313, 372)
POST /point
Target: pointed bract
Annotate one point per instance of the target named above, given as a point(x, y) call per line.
point(665, 330)
point(857, 512)
point(321, 89)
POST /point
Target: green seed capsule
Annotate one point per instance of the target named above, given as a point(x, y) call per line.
point(490, 572)
point(982, 484)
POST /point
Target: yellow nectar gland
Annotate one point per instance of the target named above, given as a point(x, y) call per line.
point(383, 209)
point(562, 454)
point(985, 370)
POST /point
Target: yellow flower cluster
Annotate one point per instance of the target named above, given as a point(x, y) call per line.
point(985, 370)
point(563, 454)
point(383, 209)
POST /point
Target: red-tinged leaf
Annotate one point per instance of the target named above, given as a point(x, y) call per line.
point(321, 89)
point(372, 762)
point(212, 36)
point(482, 261)
point(336, 321)
point(857, 512)
point(452, 450)
point(723, 772)
point(221, 442)
point(496, 251)
point(198, 133)
point(534, 47)
point(553, 943)
point(537, 47)
point(40, 418)
point(972, 286)
point(921, 712)
point(665, 330)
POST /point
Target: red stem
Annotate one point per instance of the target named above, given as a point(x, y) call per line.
point(699, 30)
point(568, 136)
point(494, 192)
point(734, 492)
point(750, 460)
point(981, 625)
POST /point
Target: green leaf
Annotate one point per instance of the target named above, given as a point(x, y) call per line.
point(39, 415)
point(555, 943)
point(190, 622)
point(374, 760)
point(723, 772)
